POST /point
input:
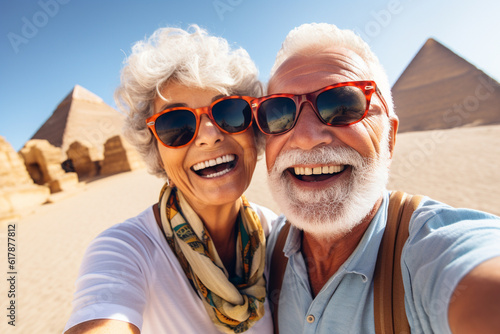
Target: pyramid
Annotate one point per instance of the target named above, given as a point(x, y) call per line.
point(84, 117)
point(441, 90)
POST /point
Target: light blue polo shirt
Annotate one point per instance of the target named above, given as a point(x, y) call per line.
point(443, 246)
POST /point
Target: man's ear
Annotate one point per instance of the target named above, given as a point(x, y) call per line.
point(394, 124)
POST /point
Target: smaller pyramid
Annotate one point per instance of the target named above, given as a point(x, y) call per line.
point(441, 90)
point(84, 117)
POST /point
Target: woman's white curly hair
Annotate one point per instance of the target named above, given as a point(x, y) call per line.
point(189, 57)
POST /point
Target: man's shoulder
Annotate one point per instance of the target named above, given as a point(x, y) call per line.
point(436, 214)
point(440, 230)
point(444, 244)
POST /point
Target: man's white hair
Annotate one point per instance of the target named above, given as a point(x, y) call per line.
point(318, 36)
point(189, 57)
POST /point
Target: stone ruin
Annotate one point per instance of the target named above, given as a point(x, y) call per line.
point(120, 156)
point(29, 177)
point(18, 192)
point(43, 162)
point(84, 160)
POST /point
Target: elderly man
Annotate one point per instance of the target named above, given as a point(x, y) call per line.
point(331, 131)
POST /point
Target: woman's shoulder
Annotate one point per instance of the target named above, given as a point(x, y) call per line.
point(140, 231)
point(136, 244)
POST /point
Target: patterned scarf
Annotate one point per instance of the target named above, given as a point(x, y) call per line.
point(233, 305)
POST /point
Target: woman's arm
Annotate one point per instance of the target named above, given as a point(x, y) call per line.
point(102, 326)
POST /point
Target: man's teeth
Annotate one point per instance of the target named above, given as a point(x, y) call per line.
point(318, 170)
point(213, 162)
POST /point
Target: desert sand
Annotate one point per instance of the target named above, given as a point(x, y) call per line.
point(458, 166)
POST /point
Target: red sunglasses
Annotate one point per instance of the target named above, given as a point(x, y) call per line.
point(178, 127)
point(341, 104)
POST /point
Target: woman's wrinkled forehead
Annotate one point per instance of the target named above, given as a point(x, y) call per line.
point(307, 71)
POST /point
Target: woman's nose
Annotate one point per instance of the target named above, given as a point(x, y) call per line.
point(208, 133)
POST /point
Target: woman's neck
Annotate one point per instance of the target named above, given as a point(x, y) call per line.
point(220, 222)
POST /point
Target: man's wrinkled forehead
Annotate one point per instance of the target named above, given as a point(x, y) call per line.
point(328, 65)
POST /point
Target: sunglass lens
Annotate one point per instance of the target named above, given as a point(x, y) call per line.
point(276, 115)
point(342, 105)
point(176, 128)
point(232, 115)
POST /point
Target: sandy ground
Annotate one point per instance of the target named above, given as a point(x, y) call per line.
point(457, 166)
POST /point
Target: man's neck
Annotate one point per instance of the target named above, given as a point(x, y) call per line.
point(324, 256)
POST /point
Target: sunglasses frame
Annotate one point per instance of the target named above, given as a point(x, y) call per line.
point(151, 121)
point(367, 87)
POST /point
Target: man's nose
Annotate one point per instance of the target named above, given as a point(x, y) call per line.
point(309, 132)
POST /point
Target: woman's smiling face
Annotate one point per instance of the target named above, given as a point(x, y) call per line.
point(191, 168)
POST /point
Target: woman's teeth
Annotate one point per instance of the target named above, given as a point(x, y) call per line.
point(318, 170)
point(215, 167)
point(213, 162)
point(218, 173)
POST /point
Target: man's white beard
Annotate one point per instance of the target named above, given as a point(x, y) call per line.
point(336, 210)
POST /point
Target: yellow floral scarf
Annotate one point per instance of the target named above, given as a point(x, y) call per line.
point(233, 305)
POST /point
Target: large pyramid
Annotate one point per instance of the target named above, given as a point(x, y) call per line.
point(440, 90)
point(84, 117)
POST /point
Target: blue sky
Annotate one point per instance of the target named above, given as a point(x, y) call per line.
point(48, 46)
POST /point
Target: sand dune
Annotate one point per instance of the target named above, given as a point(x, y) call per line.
point(458, 166)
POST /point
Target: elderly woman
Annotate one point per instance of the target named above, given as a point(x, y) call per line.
point(194, 262)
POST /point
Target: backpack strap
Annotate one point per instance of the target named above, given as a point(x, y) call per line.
point(276, 273)
point(389, 305)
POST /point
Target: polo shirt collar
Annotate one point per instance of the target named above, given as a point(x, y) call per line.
point(362, 261)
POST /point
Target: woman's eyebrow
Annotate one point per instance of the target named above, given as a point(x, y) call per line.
point(215, 98)
point(172, 105)
point(179, 104)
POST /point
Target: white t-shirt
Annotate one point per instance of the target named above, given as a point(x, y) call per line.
point(129, 273)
